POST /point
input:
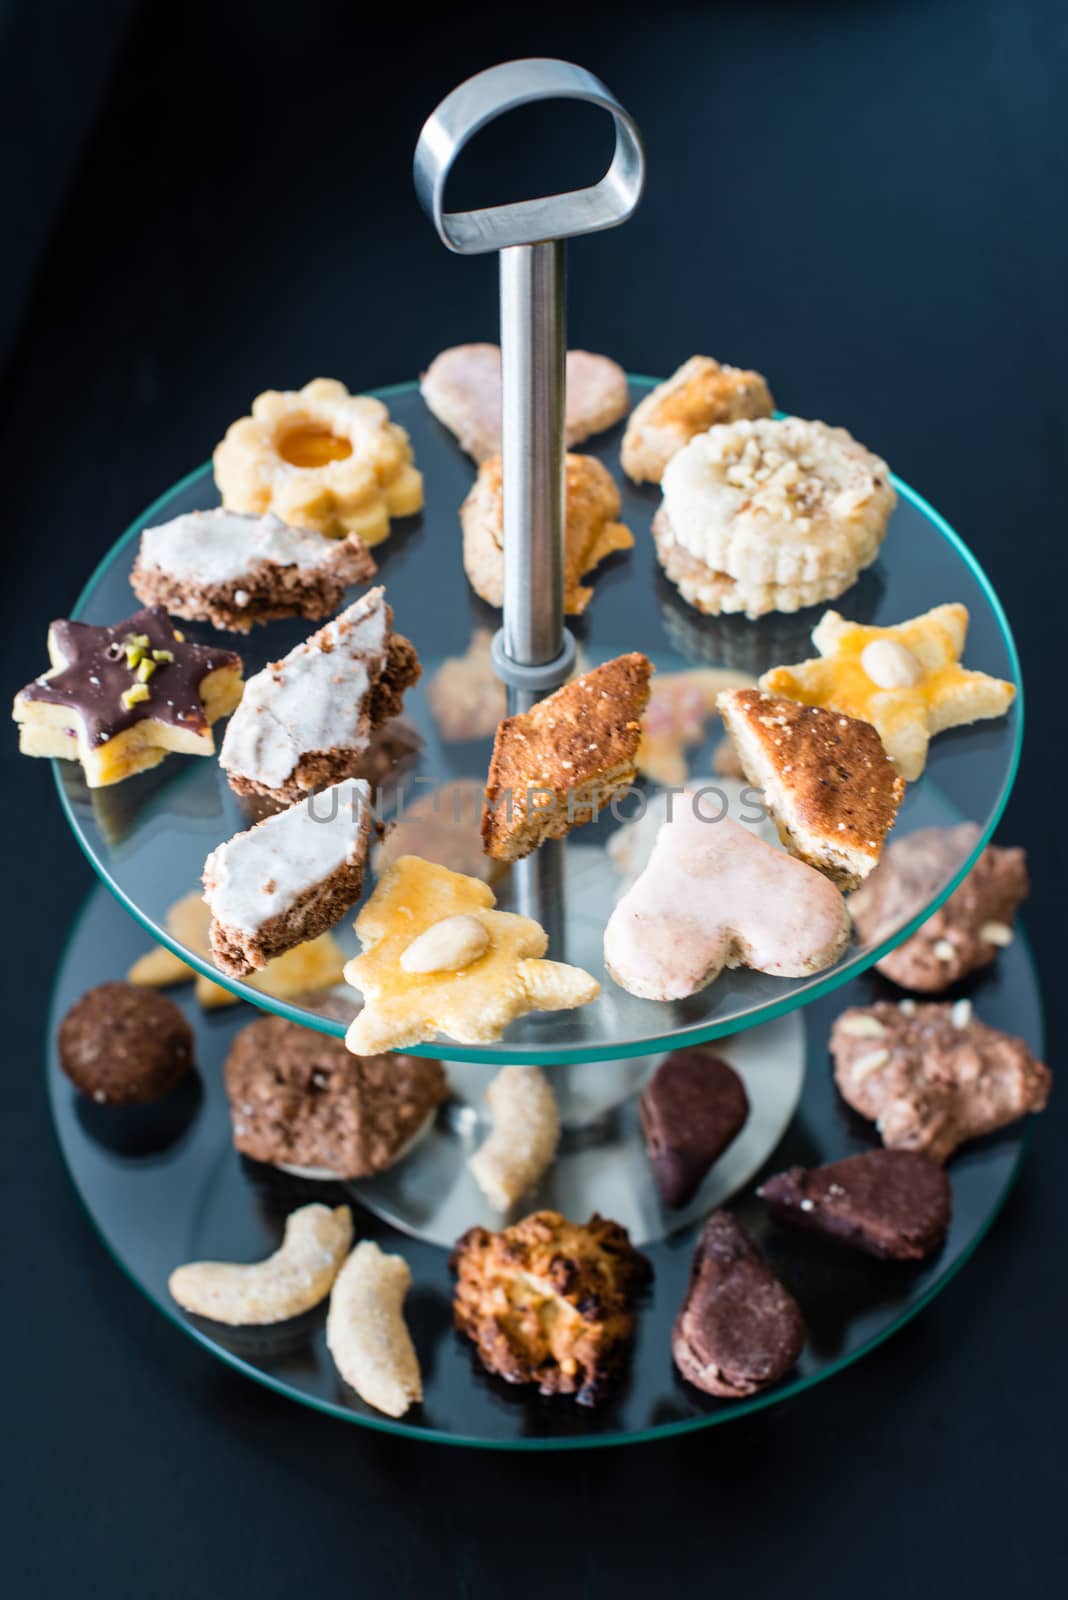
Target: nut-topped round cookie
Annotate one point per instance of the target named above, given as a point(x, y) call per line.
point(771, 514)
point(121, 1045)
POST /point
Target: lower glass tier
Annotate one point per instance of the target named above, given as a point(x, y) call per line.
point(163, 1185)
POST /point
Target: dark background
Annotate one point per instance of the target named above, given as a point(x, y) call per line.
point(203, 200)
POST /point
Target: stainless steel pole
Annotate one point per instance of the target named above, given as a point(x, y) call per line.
point(532, 370)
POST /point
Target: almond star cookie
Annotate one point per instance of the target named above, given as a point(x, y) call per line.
point(770, 515)
point(931, 1076)
point(557, 766)
point(906, 680)
point(118, 699)
point(700, 394)
point(826, 779)
point(438, 961)
point(591, 529)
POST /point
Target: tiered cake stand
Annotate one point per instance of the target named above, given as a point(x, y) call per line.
point(164, 1184)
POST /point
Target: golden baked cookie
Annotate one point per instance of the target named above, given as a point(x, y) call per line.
point(700, 394)
point(771, 515)
point(826, 779)
point(591, 531)
point(559, 765)
point(550, 1301)
point(320, 458)
point(439, 961)
point(906, 680)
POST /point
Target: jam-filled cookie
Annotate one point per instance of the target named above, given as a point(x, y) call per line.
point(320, 458)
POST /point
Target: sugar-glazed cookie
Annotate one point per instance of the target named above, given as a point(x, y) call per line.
point(320, 458)
point(713, 895)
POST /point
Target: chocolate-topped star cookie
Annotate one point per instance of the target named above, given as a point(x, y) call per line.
point(118, 698)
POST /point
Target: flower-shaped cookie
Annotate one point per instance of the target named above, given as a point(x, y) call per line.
point(906, 680)
point(320, 458)
point(437, 960)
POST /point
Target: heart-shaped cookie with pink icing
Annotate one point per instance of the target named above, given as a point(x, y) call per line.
point(714, 895)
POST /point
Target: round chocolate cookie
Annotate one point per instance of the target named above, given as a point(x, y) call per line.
point(301, 1101)
point(125, 1046)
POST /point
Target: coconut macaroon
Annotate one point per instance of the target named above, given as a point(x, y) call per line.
point(827, 781)
point(696, 397)
point(770, 515)
point(320, 458)
point(591, 529)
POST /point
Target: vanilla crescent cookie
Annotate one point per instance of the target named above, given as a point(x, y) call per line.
point(322, 459)
point(700, 394)
point(295, 1278)
point(439, 961)
point(523, 1141)
point(713, 895)
point(906, 680)
point(771, 515)
point(366, 1332)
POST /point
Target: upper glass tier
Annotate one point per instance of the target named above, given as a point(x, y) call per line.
point(148, 837)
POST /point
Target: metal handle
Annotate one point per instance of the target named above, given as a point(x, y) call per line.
point(489, 95)
point(533, 652)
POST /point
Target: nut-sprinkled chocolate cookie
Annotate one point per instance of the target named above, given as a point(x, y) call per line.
point(893, 1204)
point(739, 1330)
point(300, 1099)
point(118, 698)
point(964, 934)
point(550, 1301)
point(691, 1109)
point(125, 1046)
point(931, 1076)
